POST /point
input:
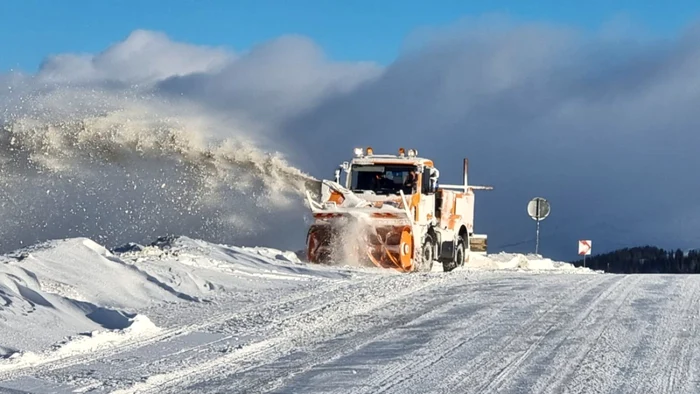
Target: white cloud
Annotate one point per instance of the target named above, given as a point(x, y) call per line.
point(143, 57)
point(276, 80)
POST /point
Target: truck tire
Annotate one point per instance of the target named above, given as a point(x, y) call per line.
point(458, 260)
point(424, 260)
point(460, 252)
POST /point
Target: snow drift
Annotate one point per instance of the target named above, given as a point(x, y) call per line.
point(58, 289)
point(71, 286)
point(521, 262)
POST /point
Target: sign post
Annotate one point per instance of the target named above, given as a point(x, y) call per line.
point(538, 208)
point(584, 248)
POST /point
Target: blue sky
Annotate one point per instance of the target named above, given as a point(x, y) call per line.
point(351, 30)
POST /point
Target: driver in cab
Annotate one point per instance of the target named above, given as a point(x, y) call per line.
point(380, 181)
point(410, 181)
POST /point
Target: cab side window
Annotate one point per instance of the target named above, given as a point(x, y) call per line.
point(425, 184)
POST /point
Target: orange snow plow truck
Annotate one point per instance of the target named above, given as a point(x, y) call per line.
point(391, 212)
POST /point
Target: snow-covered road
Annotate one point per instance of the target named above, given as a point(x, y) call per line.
point(234, 320)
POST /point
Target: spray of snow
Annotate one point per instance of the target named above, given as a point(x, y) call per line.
point(132, 168)
point(349, 245)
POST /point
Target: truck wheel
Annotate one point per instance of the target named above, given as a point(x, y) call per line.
point(424, 262)
point(448, 266)
point(459, 253)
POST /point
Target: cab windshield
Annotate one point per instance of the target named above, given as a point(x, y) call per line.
point(383, 179)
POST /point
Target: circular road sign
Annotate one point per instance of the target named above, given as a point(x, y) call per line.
point(538, 208)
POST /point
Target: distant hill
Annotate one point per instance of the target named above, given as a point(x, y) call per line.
point(645, 259)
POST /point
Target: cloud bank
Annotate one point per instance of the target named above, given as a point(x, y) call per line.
point(605, 128)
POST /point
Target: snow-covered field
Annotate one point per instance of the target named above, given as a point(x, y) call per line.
point(183, 315)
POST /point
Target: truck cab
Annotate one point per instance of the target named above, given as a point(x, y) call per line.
point(382, 179)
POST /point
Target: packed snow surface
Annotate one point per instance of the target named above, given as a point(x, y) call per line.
point(183, 315)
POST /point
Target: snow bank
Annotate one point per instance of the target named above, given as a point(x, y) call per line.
point(520, 262)
point(61, 288)
point(73, 295)
point(139, 327)
point(198, 267)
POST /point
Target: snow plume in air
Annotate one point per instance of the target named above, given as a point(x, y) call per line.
point(135, 172)
point(93, 146)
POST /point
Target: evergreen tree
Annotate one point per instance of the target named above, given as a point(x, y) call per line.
point(644, 259)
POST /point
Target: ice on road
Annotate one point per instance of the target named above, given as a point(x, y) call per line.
point(219, 319)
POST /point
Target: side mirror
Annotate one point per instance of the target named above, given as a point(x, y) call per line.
point(434, 176)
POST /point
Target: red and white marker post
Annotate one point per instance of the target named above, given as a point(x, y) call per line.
point(584, 248)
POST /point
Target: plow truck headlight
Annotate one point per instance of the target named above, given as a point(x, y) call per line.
point(412, 153)
point(358, 152)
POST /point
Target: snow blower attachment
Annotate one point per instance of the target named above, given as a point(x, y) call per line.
point(391, 213)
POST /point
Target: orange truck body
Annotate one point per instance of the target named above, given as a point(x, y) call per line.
point(391, 212)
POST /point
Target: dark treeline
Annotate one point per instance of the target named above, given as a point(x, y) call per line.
point(644, 260)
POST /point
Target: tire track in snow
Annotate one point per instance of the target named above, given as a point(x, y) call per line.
point(549, 357)
point(483, 363)
point(632, 366)
point(684, 350)
point(325, 354)
point(307, 325)
point(326, 350)
point(591, 322)
point(610, 346)
point(624, 357)
point(397, 327)
point(487, 373)
point(495, 383)
point(440, 349)
point(672, 341)
point(680, 345)
point(507, 372)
